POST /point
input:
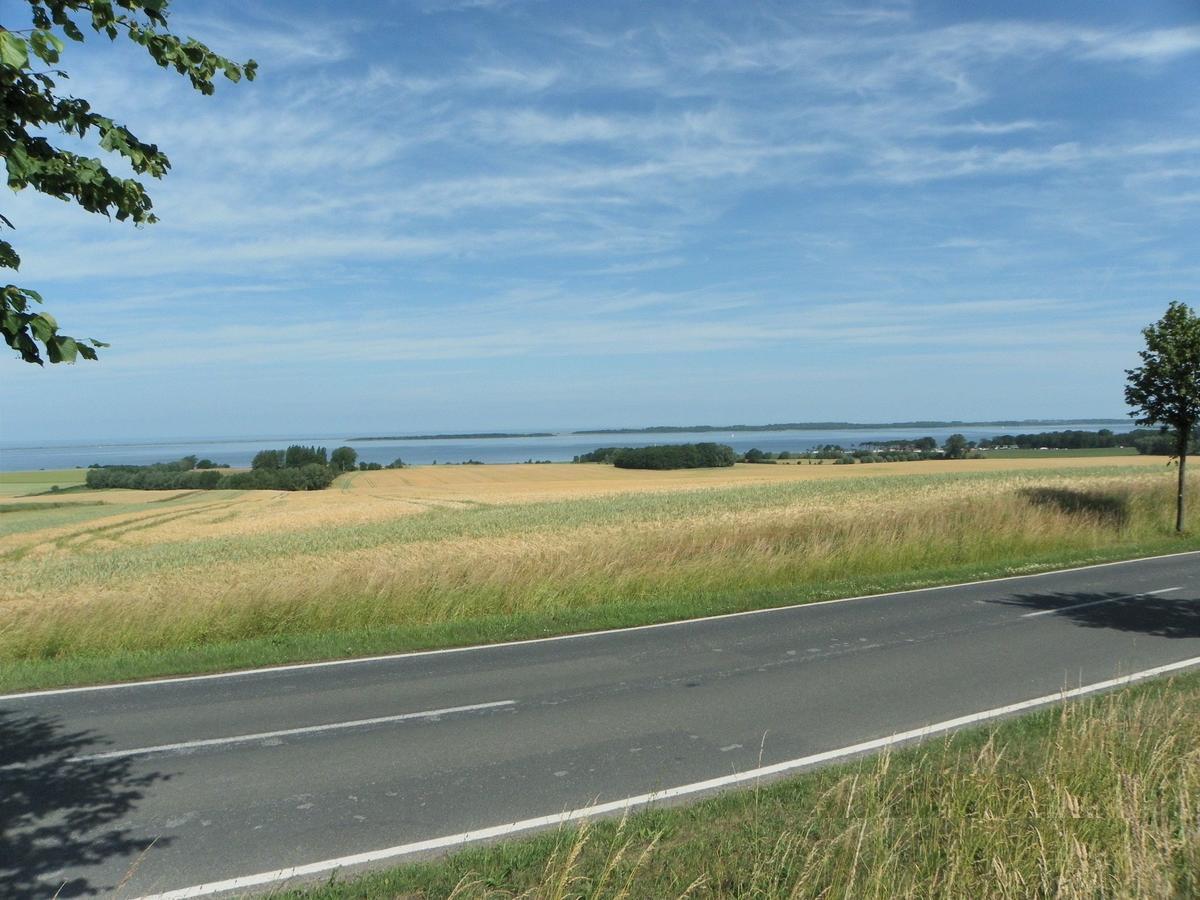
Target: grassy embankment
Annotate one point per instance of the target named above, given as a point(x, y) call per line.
point(214, 580)
point(1099, 798)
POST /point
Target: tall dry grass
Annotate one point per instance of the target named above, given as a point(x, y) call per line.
point(1100, 799)
point(557, 558)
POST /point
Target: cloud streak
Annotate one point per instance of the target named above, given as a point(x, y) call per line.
point(523, 181)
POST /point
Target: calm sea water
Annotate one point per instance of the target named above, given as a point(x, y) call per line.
point(21, 456)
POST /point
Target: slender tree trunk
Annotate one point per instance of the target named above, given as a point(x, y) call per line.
point(1183, 449)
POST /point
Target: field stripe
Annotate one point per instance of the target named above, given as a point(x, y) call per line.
point(1087, 603)
point(288, 732)
point(364, 660)
point(497, 831)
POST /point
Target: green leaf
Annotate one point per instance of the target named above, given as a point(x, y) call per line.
point(46, 46)
point(43, 327)
point(62, 349)
point(8, 256)
point(13, 50)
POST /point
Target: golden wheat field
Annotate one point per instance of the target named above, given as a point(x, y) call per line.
point(97, 573)
point(122, 517)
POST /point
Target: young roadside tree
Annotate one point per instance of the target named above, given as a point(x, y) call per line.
point(32, 110)
point(1165, 388)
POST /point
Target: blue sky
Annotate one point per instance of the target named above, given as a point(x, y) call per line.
point(444, 215)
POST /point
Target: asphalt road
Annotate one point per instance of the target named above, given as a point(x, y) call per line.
point(230, 776)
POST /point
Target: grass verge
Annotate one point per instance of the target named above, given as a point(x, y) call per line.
point(1096, 798)
point(281, 649)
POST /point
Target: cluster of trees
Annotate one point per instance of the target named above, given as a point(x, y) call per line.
point(188, 473)
point(1059, 440)
point(1145, 440)
point(298, 468)
point(704, 455)
point(956, 447)
point(754, 455)
point(915, 445)
point(664, 456)
point(599, 455)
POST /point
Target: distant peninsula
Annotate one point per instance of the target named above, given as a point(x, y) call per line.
point(481, 436)
point(857, 426)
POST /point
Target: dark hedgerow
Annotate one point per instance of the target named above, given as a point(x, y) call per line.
point(675, 456)
point(270, 472)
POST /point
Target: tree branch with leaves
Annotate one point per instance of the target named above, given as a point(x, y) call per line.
point(31, 104)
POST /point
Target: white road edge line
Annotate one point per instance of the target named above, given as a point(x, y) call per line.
point(498, 831)
point(1087, 603)
point(288, 732)
point(362, 660)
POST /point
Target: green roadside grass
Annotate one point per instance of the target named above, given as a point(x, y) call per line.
point(283, 649)
point(1093, 798)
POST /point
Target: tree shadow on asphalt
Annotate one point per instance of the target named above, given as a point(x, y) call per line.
point(1172, 617)
point(58, 811)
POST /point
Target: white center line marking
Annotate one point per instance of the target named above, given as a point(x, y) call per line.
point(455, 841)
point(288, 732)
point(1048, 612)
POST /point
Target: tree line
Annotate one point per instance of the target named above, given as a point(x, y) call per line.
point(664, 456)
point(1147, 441)
point(298, 468)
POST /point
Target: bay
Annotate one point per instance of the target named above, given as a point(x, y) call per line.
point(560, 447)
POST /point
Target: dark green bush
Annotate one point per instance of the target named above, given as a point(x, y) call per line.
point(676, 456)
point(267, 473)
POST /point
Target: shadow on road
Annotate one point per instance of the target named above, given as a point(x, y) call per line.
point(1173, 617)
point(56, 812)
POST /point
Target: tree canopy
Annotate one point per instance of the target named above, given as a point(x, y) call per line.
point(31, 105)
point(1165, 388)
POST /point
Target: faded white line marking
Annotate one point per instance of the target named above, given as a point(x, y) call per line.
point(288, 732)
point(387, 657)
point(497, 831)
point(1087, 603)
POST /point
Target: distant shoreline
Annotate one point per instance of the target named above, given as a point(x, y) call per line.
point(856, 426)
point(716, 429)
point(453, 437)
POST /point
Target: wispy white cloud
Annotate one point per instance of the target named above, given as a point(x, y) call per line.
point(517, 182)
point(1156, 45)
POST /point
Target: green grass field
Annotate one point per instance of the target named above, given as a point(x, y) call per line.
point(1062, 454)
point(1098, 798)
point(20, 484)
